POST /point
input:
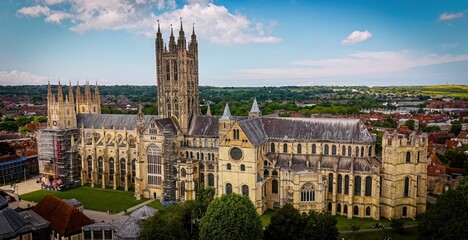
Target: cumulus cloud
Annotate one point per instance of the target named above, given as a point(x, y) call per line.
point(362, 64)
point(356, 37)
point(213, 22)
point(450, 16)
point(16, 77)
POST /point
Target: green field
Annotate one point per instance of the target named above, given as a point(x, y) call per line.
point(266, 217)
point(408, 234)
point(156, 205)
point(460, 91)
point(96, 199)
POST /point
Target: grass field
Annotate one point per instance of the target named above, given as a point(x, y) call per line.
point(96, 199)
point(266, 217)
point(408, 234)
point(460, 91)
point(156, 204)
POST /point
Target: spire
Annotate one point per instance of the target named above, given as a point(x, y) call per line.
point(193, 41)
point(172, 43)
point(49, 93)
point(208, 110)
point(159, 29)
point(181, 26)
point(70, 94)
point(181, 42)
point(255, 108)
point(78, 93)
point(96, 93)
point(87, 96)
point(193, 31)
point(227, 113)
point(59, 93)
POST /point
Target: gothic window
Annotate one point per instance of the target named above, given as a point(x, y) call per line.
point(133, 171)
point(90, 166)
point(349, 151)
point(168, 71)
point(183, 172)
point(326, 150)
point(333, 150)
point(330, 183)
point(100, 168)
point(123, 171)
point(211, 180)
point(417, 186)
point(338, 207)
point(299, 148)
point(406, 190)
point(198, 155)
point(314, 149)
point(272, 147)
point(405, 211)
point(357, 152)
point(340, 183)
point(408, 157)
point(343, 151)
point(274, 173)
point(370, 151)
point(307, 193)
point(154, 157)
point(202, 166)
point(356, 210)
point(236, 134)
point(266, 173)
point(367, 211)
point(228, 188)
point(362, 151)
point(94, 109)
point(228, 166)
point(82, 109)
point(169, 108)
point(242, 168)
point(345, 209)
point(419, 153)
point(346, 184)
point(176, 77)
point(68, 111)
point(176, 107)
point(245, 190)
point(202, 179)
point(191, 155)
point(357, 186)
point(368, 186)
point(186, 154)
point(285, 148)
point(381, 183)
point(182, 189)
point(329, 206)
point(202, 156)
point(274, 186)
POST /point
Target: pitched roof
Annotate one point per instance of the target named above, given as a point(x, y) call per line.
point(463, 134)
point(120, 121)
point(255, 108)
point(204, 126)
point(63, 217)
point(227, 113)
point(254, 130)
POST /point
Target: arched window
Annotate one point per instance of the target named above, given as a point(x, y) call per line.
point(123, 171)
point(191, 155)
point(406, 191)
point(330, 183)
point(299, 148)
point(111, 170)
point(325, 152)
point(408, 157)
point(211, 181)
point(154, 157)
point(307, 193)
point(274, 186)
point(274, 173)
point(202, 156)
point(202, 179)
point(228, 188)
point(133, 171)
point(368, 186)
point(168, 71)
point(362, 151)
point(100, 167)
point(176, 107)
point(198, 155)
point(329, 206)
point(345, 209)
point(417, 186)
point(176, 77)
point(169, 107)
point(349, 151)
point(183, 172)
point(367, 211)
point(266, 173)
point(206, 143)
point(333, 150)
point(405, 211)
point(419, 155)
point(314, 149)
point(242, 168)
point(343, 151)
point(236, 134)
point(272, 147)
point(346, 184)
point(228, 166)
point(340, 183)
point(202, 166)
point(182, 189)
point(338, 207)
point(357, 186)
point(370, 151)
point(245, 190)
point(285, 148)
point(356, 210)
point(357, 152)
point(186, 154)
point(90, 166)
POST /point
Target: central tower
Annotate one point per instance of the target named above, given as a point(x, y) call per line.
point(177, 75)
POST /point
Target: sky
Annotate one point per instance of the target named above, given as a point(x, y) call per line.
point(241, 42)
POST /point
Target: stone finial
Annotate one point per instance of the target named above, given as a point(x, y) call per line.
point(227, 113)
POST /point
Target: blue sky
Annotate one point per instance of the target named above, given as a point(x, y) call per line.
point(241, 43)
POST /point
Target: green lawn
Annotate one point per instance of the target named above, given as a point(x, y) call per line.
point(408, 234)
point(266, 217)
point(97, 199)
point(156, 204)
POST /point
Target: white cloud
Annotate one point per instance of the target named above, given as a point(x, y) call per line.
point(359, 64)
point(213, 22)
point(356, 37)
point(450, 16)
point(16, 77)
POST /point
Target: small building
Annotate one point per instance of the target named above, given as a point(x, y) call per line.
point(12, 167)
point(75, 203)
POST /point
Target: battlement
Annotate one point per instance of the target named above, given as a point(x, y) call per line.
point(394, 138)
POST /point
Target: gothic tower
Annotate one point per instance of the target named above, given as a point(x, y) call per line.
point(61, 112)
point(177, 76)
point(88, 103)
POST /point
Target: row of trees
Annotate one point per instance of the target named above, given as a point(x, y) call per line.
point(12, 124)
point(233, 216)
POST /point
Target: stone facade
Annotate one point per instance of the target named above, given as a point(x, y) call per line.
point(314, 163)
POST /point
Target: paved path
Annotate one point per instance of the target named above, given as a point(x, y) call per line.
point(103, 216)
point(376, 229)
point(28, 186)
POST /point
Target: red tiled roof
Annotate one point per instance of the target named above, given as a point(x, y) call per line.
point(452, 144)
point(463, 134)
point(63, 217)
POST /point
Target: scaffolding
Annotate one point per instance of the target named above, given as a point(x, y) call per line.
point(170, 171)
point(58, 159)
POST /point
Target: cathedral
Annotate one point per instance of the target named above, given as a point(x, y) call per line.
point(323, 164)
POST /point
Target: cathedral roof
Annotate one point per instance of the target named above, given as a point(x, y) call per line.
point(206, 126)
point(255, 108)
point(120, 121)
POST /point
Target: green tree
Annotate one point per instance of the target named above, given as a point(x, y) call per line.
point(397, 224)
point(456, 128)
point(286, 223)
point(410, 124)
point(231, 217)
point(165, 224)
point(320, 226)
point(448, 217)
point(40, 119)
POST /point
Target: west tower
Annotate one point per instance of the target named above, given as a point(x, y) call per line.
point(177, 76)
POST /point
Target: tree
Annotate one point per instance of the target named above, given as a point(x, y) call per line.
point(231, 217)
point(165, 224)
point(456, 128)
point(397, 224)
point(410, 124)
point(287, 223)
point(321, 226)
point(448, 217)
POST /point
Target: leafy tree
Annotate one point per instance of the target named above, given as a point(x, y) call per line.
point(150, 109)
point(410, 124)
point(165, 224)
point(286, 223)
point(231, 217)
point(355, 228)
point(397, 224)
point(448, 217)
point(321, 226)
point(40, 119)
point(456, 128)
point(6, 149)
